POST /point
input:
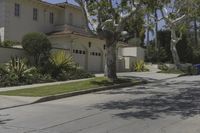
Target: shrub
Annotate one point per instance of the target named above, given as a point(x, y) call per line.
point(139, 66)
point(36, 45)
point(156, 56)
point(17, 72)
point(60, 61)
point(184, 69)
point(62, 67)
point(9, 43)
point(74, 74)
point(17, 66)
point(163, 67)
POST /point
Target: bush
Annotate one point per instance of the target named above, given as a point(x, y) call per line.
point(73, 74)
point(185, 69)
point(60, 61)
point(139, 66)
point(9, 43)
point(156, 56)
point(36, 45)
point(62, 67)
point(163, 67)
point(17, 66)
point(17, 72)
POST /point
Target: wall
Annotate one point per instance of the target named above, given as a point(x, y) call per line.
point(77, 17)
point(86, 61)
point(6, 53)
point(17, 27)
point(2, 19)
point(132, 52)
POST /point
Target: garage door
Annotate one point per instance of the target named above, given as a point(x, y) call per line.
point(79, 56)
point(95, 62)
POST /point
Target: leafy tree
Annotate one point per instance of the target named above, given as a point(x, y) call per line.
point(36, 45)
point(174, 14)
point(107, 19)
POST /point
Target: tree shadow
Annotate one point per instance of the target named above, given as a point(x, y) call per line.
point(106, 82)
point(184, 102)
point(4, 121)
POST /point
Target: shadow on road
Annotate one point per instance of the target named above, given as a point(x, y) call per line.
point(4, 121)
point(184, 102)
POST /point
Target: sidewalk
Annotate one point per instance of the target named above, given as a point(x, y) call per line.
point(15, 101)
point(39, 85)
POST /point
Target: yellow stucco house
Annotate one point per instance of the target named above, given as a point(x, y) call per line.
point(65, 26)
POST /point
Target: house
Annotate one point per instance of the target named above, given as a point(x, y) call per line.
point(65, 26)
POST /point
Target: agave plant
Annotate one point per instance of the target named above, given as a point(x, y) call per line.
point(17, 66)
point(139, 66)
point(60, 61)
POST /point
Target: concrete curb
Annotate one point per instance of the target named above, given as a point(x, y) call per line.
point(76, 93)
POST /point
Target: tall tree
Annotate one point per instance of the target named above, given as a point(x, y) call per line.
point(174, 14)
point(106, 19)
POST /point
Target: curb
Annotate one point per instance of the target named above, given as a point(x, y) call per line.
point(76, 93)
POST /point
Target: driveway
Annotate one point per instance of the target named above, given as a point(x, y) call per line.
point(170, 105)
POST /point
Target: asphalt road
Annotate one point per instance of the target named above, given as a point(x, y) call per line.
point(167, 106)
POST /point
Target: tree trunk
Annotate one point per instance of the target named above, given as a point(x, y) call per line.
point(156, 30)
point(195, 31)
point(111, 57)
point(174, 41)
point(175, 54)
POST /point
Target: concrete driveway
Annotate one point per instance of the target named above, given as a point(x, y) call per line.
point(167, 106)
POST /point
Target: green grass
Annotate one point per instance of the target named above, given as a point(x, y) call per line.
point(172, 71)
point(64, 88)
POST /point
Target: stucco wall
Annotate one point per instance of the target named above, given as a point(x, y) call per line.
point(93, 58)
point(77, 16)
point(132, 52)
point(17, 27)
point(6, 53)
point(2, 19)
point(2, 34)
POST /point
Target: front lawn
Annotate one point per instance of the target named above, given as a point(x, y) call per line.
point(65, 88)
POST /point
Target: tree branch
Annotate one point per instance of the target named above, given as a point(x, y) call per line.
point(179, 19)
point(91, 25)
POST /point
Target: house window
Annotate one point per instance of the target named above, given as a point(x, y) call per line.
point(17, 10)
point(51, 18)
point(35, 14)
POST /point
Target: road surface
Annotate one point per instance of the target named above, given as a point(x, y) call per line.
point(165, 106)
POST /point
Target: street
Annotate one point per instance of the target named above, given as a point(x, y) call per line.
point(165, 106)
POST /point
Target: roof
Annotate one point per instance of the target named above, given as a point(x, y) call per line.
point(64, 4)
point(74, 31)
point(47, 3)
point(61, 5)
point(68, 33)
point(66, 29)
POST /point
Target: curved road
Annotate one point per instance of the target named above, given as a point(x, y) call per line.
point(165, 106)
